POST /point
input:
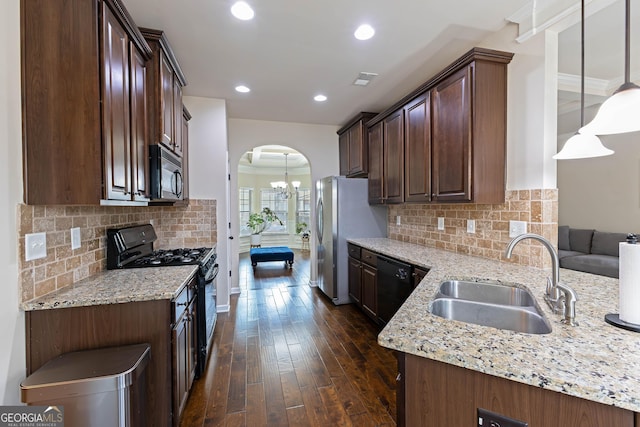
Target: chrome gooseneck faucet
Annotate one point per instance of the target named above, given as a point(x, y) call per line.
point(565, 302)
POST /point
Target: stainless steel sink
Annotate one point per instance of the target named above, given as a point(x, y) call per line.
point(490, 304)
point(519, 319)
point(486, 292)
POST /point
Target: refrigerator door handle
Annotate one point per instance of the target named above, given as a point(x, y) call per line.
point(319, 220)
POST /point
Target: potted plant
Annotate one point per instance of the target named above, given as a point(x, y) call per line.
point(301, 228)
point(260, 221)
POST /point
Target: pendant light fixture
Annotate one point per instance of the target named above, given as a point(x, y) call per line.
point(582, 145)
point(621, 112)
point(283, 186)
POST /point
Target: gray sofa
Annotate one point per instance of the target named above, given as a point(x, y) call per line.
point(591, 251)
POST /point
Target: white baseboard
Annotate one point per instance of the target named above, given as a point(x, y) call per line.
point(313, 283)
point(223, 308)
point(234, 291)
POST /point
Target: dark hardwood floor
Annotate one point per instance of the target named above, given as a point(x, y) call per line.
point(284, 355)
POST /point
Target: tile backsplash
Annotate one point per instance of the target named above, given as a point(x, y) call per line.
point(539, 208)
point(184, 226)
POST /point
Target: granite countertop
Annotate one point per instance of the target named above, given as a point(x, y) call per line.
point(118, 286)
point(594, 361)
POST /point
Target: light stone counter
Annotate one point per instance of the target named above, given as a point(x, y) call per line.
point(594, 361)
point(118, 286)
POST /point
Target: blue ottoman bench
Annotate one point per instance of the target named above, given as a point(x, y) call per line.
point(275, 253)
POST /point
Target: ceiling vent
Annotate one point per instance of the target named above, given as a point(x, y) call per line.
point(364, 78)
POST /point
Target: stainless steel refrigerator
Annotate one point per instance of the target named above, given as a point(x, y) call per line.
point(342, 212)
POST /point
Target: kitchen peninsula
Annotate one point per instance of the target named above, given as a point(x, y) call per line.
point(120, 307)
point(593, 366)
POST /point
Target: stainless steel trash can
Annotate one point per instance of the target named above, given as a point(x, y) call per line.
point(98, 388)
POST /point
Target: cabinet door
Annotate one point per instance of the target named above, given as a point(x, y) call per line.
point(355, 280)
point(180, 336)
point(177, 120)
point(452, 138)
point(369, 290)
point(185, 158)
point(184, 338)
point(116, 132)
point(358, 159)
point(375, 164)
point(192, 344)
point(343, 147)
point(166, 102)
point(417, 134)
point(139, 130)
point(393, 157)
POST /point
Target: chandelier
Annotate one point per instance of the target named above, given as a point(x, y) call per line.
point(282, 187)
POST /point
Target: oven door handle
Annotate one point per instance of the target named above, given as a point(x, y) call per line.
point(212, 274)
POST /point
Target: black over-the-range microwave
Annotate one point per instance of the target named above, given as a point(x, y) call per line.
point(166, 174)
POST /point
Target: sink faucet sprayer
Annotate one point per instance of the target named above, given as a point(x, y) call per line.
point(557, 302)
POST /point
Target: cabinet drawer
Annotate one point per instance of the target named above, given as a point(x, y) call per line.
point(354, 251)
point(369, 257)
point(179, 304)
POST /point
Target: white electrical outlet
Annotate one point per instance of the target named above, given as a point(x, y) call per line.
point(471, 226)
point(517, 228)
point(397, 219)
point(440, 223)
point(75, 238)
point(35, 246)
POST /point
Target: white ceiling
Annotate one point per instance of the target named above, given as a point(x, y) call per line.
point(295, 49)
point(604, 60)
point(273, 157)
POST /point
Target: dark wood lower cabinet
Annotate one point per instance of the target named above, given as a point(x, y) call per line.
point(183, 338)
point(370, 290)
point(432, 393)
point(57, 331)
point(355, 280)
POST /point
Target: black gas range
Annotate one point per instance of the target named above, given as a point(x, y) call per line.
point(132, 247)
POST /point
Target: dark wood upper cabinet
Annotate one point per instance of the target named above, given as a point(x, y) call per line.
point(116, 121)
point(76, 95)
point(417, 150)
point(343, 149)
point(375, 164)
point(454, 135)
point(177, 120)
point(165, 81)
point(139, 133)
point(452, 138)
point(186, 116)
point(393, 157)
point(353, 146)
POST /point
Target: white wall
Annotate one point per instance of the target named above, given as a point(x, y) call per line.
point(603, 193)
point(12, 333)
point(317, 143)
point(208, 173)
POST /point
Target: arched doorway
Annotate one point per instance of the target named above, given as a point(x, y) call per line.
point(278, 178)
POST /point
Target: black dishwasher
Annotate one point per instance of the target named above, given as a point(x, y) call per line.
point(394, 286)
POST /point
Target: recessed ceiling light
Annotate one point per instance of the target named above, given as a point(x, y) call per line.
point(320, 98)
point(242, 89)
point(364, 32)
point(242, 10)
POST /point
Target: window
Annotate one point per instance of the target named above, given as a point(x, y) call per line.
point(303, 207)
point(244, 197)
point(271, 198)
